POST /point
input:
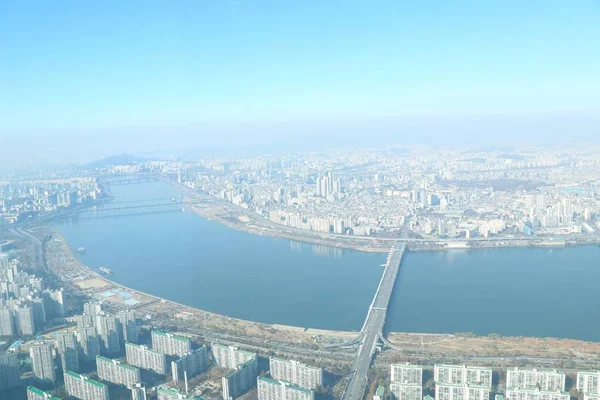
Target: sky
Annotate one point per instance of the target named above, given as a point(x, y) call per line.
point(82, 79)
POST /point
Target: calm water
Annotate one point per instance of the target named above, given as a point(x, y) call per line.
point(185, 258)
point(518, 292)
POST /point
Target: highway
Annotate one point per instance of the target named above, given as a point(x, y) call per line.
point(373, 326)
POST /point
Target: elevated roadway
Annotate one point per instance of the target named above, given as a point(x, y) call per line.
point(372, 329)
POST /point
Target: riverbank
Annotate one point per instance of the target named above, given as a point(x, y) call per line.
point(244, 220)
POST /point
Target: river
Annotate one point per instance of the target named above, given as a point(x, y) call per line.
point(185, 258)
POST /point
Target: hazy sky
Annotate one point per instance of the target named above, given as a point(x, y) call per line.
point(83, 79)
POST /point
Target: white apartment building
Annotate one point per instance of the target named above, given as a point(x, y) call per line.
point(84, 388)
point(535, 394)
point(407, 374)
point(229, 356)
point(42, 362)
point(116, 372)
point(588, 383)
point(146, 358)
point(296, 373)
point(532, 378)
point(462, 375)
point(170, 344)
point(449, 391)
point(271, 389)
point(402, 391)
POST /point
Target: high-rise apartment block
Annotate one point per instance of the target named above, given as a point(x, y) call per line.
point(296, 373)
point(34, 393)
point(450, 391)
point(66, 344)
point(117, 372)
point(191, 364)
point(9, 371)
point(89, 346)
point(7, 327)
point(588, 384)
point(42, 360)
point(535, 394)
point(107, 327)
point(532, 378)
point(271, 389)
point(229, 356)
point(171, 345)
point(238, 382)
point(146, 358)
point(84, 388)
point(128, 332)
point(406, 381)
point(462, 375)
point(138, 392)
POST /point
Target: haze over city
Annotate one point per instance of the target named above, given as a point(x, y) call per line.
point(81, 81)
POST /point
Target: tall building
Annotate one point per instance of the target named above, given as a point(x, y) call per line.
point(66, 344)
point(406, 382)
point(24, 319)
point(146, 358)
point(171, 345)
point(34, 393)
point(191, 364)
point(271, 389)
point(107, 327)
point(89, 346)
point(7, 327)
point(128, 331)
point(238, 382)
point(588, 383)
point(138, 392)
point(229, 356)
point(535, 394)
point(42, 361)
point(116, 372)
point(83, 321)
point(39, 311)
point(3, 261)
point(462, 375)
point(407, 374)
point(296, 373)
point(10, 376)
point(532, 378)
point(93, 309)
point(84, 388)
point(54, 303)
point(449, 391)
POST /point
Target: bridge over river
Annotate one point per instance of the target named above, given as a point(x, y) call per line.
point(372, 329)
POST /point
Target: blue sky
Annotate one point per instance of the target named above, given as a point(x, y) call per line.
point(82, 79)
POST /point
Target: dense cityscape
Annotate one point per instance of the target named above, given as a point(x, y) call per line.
point(65, 335)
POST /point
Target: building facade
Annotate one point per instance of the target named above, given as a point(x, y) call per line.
point(116, 372)
point(271, 389)
point(407, 374)
point(532, 378)
point(10, 376)
point(296, 373)
point(89, 346)
point(406, 391)
point(449, 391)
point(229, 356)
point(34, 393)
point(42, 362)
point(588, 382)
point(191, 364)
point(171, 345)
point(107, 327)
point(68, 353)
point(84, 388)
point(128, 322)
point(146, 358)
point(535, 394)
point(238, 382)
point(462, 375)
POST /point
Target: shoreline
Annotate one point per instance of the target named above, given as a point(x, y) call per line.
point(241, 219)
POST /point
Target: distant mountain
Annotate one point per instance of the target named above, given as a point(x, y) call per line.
point(121, 159)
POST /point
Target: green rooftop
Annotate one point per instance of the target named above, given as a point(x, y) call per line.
point(119, 363)
point(161, 333)
point(380, 391)
point(287, 384)
point(39, 392)
point(85, 378)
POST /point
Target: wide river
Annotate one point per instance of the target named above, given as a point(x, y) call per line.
point(183, 257)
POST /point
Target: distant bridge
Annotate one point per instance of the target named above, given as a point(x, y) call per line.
point(128, 179)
